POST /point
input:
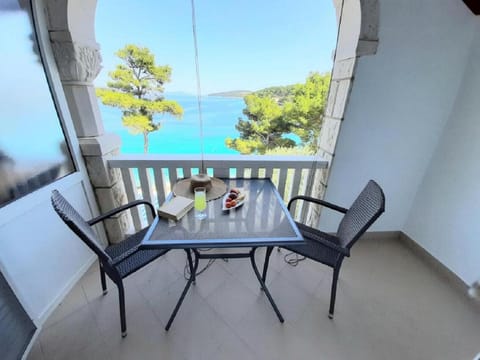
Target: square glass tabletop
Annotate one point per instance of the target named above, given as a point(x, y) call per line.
point(263, 220)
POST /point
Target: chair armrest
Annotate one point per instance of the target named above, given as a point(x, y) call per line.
point(317, 201)
point(120, 209)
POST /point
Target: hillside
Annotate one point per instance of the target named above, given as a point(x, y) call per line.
point(233, 93)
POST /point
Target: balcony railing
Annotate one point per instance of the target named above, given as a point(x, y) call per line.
point(151, 176)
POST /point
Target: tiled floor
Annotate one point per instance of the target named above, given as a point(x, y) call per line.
point(390, 306)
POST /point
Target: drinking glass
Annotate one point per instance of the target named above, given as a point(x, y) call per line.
point(200, 203)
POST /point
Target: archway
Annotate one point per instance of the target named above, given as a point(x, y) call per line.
point(71, 27)
point(77, 55)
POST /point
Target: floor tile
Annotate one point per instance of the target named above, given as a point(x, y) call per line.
point(146, 339)
point(91, 284)
point(307, 274)
point(160, 273)
point(290, 298)
point(156, 279)
point(198, 331)
point(234, 348)
point(36, 352)
point(245, 274)
point(211, 278)
point(178, 259)
point(163, 302)
point(70, 335)
point(390, 305)
point(232, 300)
point(72, 302)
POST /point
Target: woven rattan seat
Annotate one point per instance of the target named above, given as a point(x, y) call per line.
point(137, 259)
point(314, 248)
point(116, 260)
point(332, 249)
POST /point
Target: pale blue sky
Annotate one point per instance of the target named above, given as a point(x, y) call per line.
point(21, 69)
point(243, 45)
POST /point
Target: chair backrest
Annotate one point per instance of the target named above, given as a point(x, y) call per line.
point(78, 225)
point(366, 208)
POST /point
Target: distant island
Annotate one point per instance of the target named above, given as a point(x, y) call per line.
point(234, 93)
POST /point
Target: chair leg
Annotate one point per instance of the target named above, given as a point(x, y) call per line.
point(103, 280)
point(265, 264)
point(336, 271)
point(121, 301)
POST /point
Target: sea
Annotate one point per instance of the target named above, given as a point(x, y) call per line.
point(182, 136)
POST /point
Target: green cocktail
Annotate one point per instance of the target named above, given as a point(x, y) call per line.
point(200, 203)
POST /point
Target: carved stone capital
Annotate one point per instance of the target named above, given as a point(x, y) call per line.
point(77, 63)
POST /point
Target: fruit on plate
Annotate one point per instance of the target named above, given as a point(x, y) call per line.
point(233, 198)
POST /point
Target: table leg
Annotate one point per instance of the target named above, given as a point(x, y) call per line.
point(195, 267)
point(265, 264)
point(264, 287)
point(191, 268)
point(191, 279)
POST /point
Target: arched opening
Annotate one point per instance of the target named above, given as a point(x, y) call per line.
point(78, 58)
point(244, 49)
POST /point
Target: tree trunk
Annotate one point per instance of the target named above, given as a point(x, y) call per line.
point(145, 142)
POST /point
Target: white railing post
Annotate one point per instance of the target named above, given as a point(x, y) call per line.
point(290, 174)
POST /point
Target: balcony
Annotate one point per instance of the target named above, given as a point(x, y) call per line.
point(389, 299)
point(408, 124)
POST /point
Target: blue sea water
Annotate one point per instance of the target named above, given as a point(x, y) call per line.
point(219, 114)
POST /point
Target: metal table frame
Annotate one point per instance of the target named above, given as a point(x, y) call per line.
point(194, 266)
point(253, 243)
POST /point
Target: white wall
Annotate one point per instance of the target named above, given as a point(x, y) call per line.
point(445, 216)
point(40, 257)
point(401, 100)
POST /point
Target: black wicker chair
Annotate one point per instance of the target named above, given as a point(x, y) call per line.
point(331, 249)
point(117, 260)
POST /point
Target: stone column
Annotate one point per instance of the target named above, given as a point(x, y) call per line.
point(78, 65)
point(337, 99)
point(355, 15)
point(107, 183)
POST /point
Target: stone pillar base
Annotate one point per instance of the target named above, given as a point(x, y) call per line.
point(107, 183)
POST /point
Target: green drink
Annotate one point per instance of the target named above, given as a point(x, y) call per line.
point(200, 203)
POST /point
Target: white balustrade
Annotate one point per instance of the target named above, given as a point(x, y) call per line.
point(151, 177)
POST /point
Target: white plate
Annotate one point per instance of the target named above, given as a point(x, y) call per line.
point(238, 204)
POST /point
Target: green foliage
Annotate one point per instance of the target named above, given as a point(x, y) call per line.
point(274, 112)
point(280, 94)
point(136, 87)
point(264, 128)
point(305, 111)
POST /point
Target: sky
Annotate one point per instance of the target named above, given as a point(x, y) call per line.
point(22, 71)
point(243, 45)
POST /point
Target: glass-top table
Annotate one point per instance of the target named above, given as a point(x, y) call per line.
point(263, 220)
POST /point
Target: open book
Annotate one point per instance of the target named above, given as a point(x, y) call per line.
point(176, 208)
